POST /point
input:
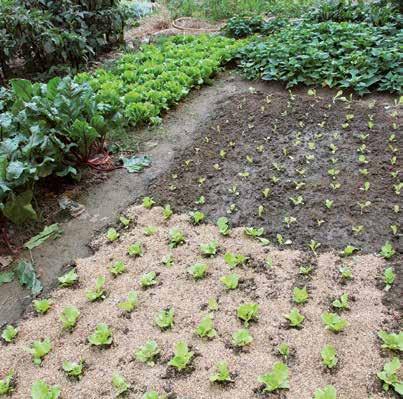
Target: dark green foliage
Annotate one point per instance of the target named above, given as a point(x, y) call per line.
point(243, 26)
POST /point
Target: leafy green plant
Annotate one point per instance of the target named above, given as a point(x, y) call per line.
point(222, 375)
point(73, 369)
point(98, 293)
point(6, 384)
point(205, 329)
point(277, 379)
point(248, 312)
point(150, 230)
point(41, 390)
point(148, 202)
point(349, 250)
point(389, 278)
point(182, 356)
point(102, 336)
point(230, 281)
point(342, 302)
point(120, 384)
point(389, 376)
point(69, 317)
point(233, 260)
point(118, 268)
point(334, 322)
point(9, 333)
point(148, 279)
point(300, 295)
point(130, 303)
point(152, 395)
point(254, 232)
point(135, 250)
point(242, 337)
point(387, 251)
point(223, 226)
point(346, 273)
point(209, 249)
point(147, 353)
point(392, 341)
point(68, 279)
point(198, 270)
point(329, 358)
point(112, 235)
point(176, 238)
point(39, 349)
point(305, 270)
point(167, 212)
point(165, 319)
point(284, 350)
point(328, 392)
point(197, 217)
point(42, 306)
point(295, 318)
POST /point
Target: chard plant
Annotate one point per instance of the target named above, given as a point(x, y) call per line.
point(98, 293)
point(148, 279)
point(39, 349)
point(198, 271)
point(197, 217)
point(130, 303)
point(222, 375)
point(69, 279)
point(234, 260)
point(389, 278)
point(209, 249)
point(389, 376)
point(42, 306)
point(120, 384)
point(230, 281)
point(182, 356)
point(147, 353)
point(135, 250)
point(148, 202)
point(241, 338)
point(69, 317)
point(276, 379)
point(7, 383)
point(334, 322)
point(328, 392)
point(223, 226)
point(295, 318)
point(342, 302)
point(205, 329)
point(73, 369)
point(329, 356)
point(118, 268)
point(41, 390)
point(102, 336)
point(300, 295)
point(112, 235)
point(176, 238)
point(165, 319)
point(9, 333)
point(392, 341)
point(167, 212)
point(248, 312)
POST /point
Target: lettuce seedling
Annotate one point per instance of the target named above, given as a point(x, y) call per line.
point(167, 212)
point(147, 353)
point(328, 392)
point(349, 250)
point(182, 356)
point(212, 304)
point(387, 251)
point(135, 250)
point(254, 232)
point(149, 231)
point(223, 375)
point(230, 281)
point(148, 279)
point(196, 217)
point(223, 226)
point(102, 336)
point(6, 384)
point(277, 379)
point(39, 349)
point(346, 273)
point(130, 303)
point(42, 306)
point(314, 246)
point(41, 390)
point(284, 350)
point(334, 322)
point(125, 222)
point(98, 293)
point(248, 312)
point(205, 329)
point(201, 200)
point(389, 376)
point(119, 384)
point(298, 200)
point(73, 369)
point(118, 268)
point(233, 260)
point(165, 319)
point(112, 235)
point(305, 270)
point(198, 270)
point(329, 358)
point(342, 302)
point(9, 333)
point(241, 337)
point(300, 295)
point(209, 249)
point(148, 202)
point(152, 395)
point(68, 279)
point(168, 260)
point(389, 278)
point(69, 317)
point(176, 238)
point(392, 341)
point(295, 318)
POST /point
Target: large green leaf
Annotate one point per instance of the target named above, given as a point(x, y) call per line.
point(54, 231)
point(27, 277)
point(19, 208)
point(22, 89)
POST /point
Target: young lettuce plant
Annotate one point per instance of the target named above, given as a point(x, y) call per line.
point(135, 250)
point(176, 238)
point(182, 356)
point(349, 250)
point(389, 376)
point(209, 249)
point(9, 333)
point(120, 385)
point(148, 279)
point(150, 231)
point(167, 212)
point(205, 329)
point(102, 336)
point(389, 278)
point(69, 279)
point(329, 356)
point(73, 369)
point(148, 353)
point(254, 232)
point(387, 251)
point(42, 306)
point(130, 303)
point(284, 350)
point(148, 202)
point(241, 338)
point(41, 390)
point(393, 342)
point(69, 317)
point(234, 260)
point(341, 303)
point(118, 268)
point(98, 293)
point(334, 322)
point(6, 384)
point(223, 226)
point(196, 217)
point(248, 312)
point(112, 235)
point(165, 319)
point(300, 295)
point(168, 260)
point(328, 392)
point(198, 271)
point(152, 395)
point(277, 379)
point(295, 318)
point(39, 349)
point(222, 375)
point(230, 281)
